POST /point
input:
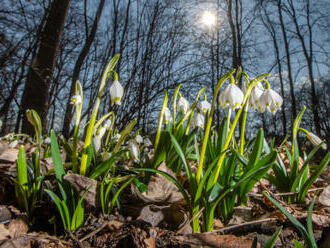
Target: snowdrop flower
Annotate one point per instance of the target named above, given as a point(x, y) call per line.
point(199, 120)
point(232, 96)
point(98, 138)
point(255, 95)
point(167, 115)
point(315, 140)
point(116, 92)
point(76, 99)
point(183, 104)
point(147, 142)
point(139, 139)
point(107, 124)
point(270, 100)
point(13, 144)
point(117, 136)
point(134, 150)
point(203, 107)
point(47, 140)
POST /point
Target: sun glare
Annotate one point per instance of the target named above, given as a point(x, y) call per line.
point(208, 18)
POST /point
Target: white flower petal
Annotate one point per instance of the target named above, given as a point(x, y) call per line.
point(203, 107)
point(183, 105)
point(116, 93)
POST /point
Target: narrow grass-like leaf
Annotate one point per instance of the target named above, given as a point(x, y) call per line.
point(56, 156)
point(58, 203)
point(271, 242)
point(293, 220)
point(325, 161)
point(309, 223)
point(257, 149)
point(22, 169)
point(178, 149)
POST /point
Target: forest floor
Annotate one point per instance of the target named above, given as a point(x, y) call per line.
point(159, 219)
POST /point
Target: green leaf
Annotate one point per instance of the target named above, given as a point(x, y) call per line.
point(257, 149)
point(140, 185)
point(309, 223)
point(298, 244)
point(271, 242)
point(104, 166)
point(22, 169)
point(124, 134)
point(58, 203)
point(115, 197)
point(179, 151)
point(293, 220)
point(296, 124)
point(78, 215)
point(56, 155)
point(325, 161)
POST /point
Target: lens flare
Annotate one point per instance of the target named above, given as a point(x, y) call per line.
point(208, 18)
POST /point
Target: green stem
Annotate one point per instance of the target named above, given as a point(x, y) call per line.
point(160, 121)
point(88, 139)
point(242, 141)
point(208, 125)
point(75, 149)
point(246, 98)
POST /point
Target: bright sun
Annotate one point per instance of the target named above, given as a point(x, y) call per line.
point(208, 18)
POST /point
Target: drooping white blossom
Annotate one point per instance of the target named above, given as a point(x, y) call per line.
point(47, 140)
point(98, 138)
point(199, 120)
point(203, 107)
point(255, 95)
point(147, 142)
point(13, 144)
point(183, 104)
point(134, 150)
point(167, 115)
point(139, 139)
point(107, 124)
point(116, 92)
point(231, 96)
point(315, 140)
point(76, 99)
point(270, 100)
point(117, 136)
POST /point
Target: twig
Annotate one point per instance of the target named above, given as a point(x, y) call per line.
point(94, 232)
point(284, 194)
point(229, 228)
point(188, 222)
point(76, 240)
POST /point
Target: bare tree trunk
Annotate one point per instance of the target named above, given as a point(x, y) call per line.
point(288, 60)
point(270, 27)
point(309, 59)
point(35, 95)
point(77, 68)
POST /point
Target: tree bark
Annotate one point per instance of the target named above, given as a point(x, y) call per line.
point(36, 91)
point(77, 68)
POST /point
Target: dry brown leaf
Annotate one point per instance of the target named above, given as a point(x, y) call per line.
point(81, 184)
point(17, 228)
point(160, 189)
point(4, 232)
point(5, 214)
point(324, 198)
point(216, 241)
point(7, 154)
